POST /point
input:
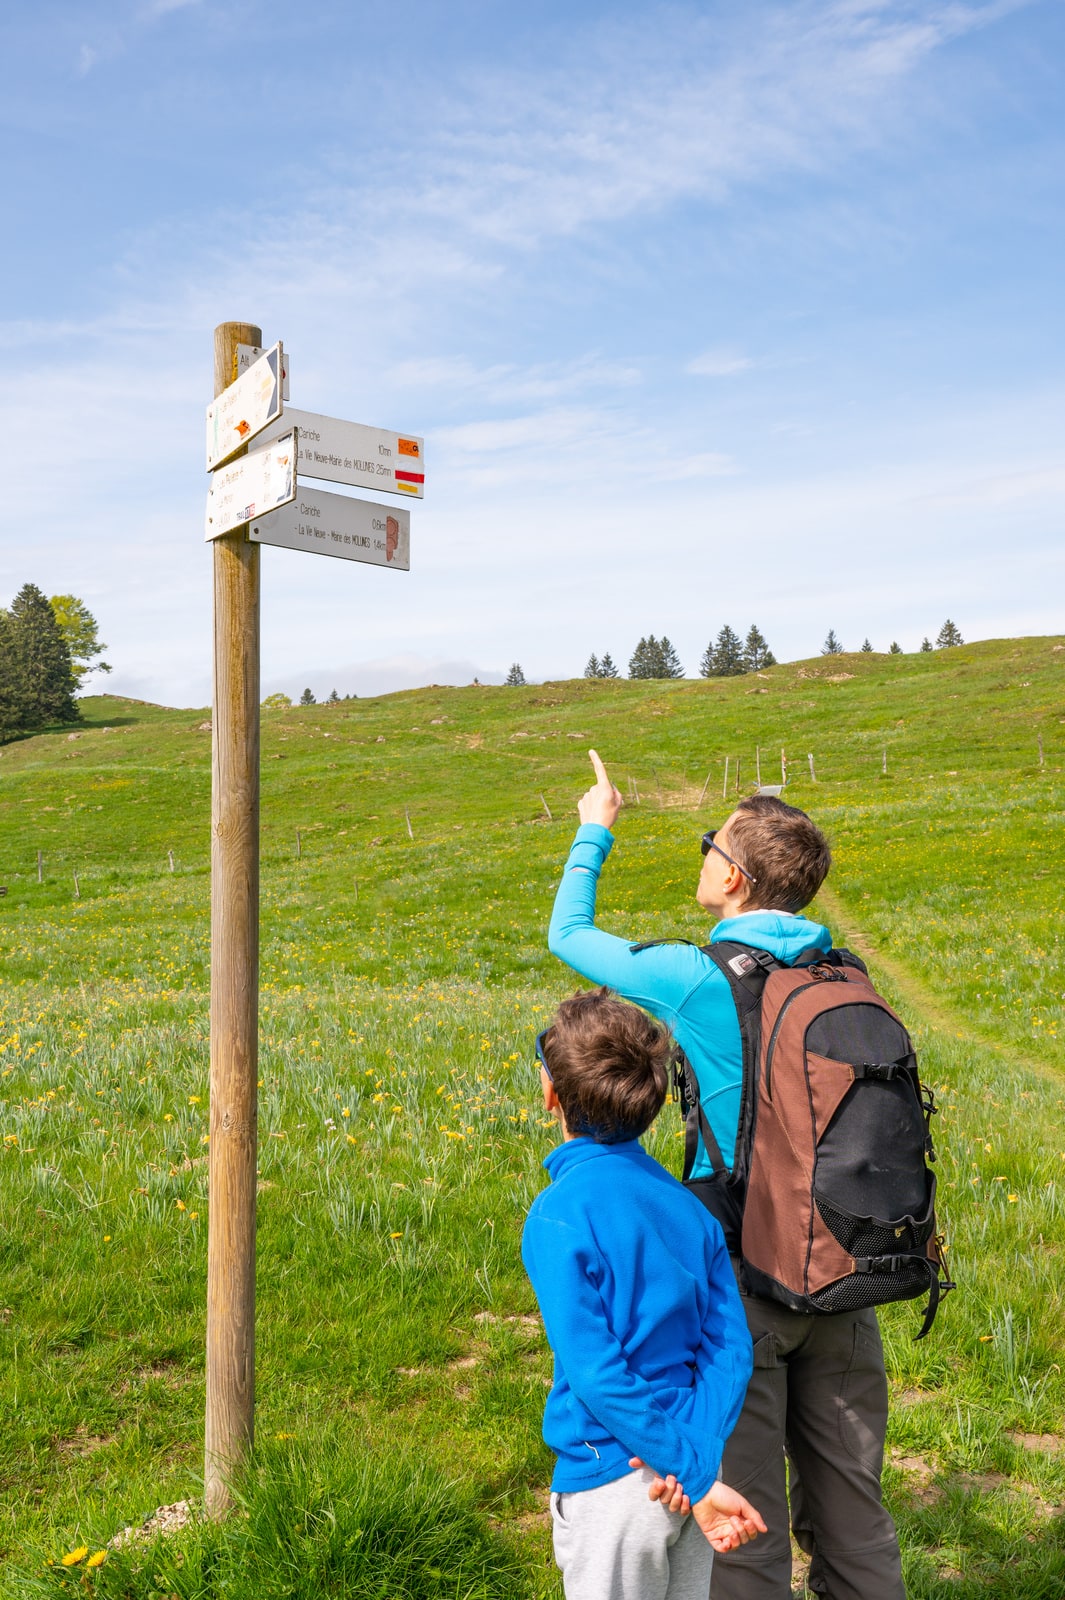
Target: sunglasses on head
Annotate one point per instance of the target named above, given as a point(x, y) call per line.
point(540, 1037)
point(706, 844)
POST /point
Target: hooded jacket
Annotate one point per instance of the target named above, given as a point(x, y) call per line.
point(675, 982)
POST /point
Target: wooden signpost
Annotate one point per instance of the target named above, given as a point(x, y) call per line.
point(250, 386)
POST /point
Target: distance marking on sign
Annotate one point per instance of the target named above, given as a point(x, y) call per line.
point(350, 452)
point(338, 525)
point(252, 486)
point(241, 412)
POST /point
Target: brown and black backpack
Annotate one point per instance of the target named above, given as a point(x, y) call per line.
point(830, 1202)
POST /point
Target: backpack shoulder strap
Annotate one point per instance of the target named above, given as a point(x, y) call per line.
point(745, 969)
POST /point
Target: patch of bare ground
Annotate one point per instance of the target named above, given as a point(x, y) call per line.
point(528, 1520)
point(911, 1397)
point(800, 1568)
point(83, 1443)
point(920, 1475)
point(516, 1321)
point(1047, 1444)
point(168, 1519)
point(169, 1372)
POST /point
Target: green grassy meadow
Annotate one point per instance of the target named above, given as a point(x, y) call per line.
point(401, 1368)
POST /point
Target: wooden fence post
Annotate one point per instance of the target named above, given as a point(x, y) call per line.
point(230, 1405)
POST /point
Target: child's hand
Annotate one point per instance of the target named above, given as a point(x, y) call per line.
point(602, 802)
point(726, 1518)
point(668, 1490)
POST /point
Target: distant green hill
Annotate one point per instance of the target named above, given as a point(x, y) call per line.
point(962, 831)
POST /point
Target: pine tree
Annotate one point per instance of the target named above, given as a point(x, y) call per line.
point(671, 667)
point(607, 669)
point(926, 643)
point(79, 628)
point(646, 660)
point(831, 646)
point(948, 636)
point(728, 654)
point(334, 698)
point(592, 669)
point(756, 653)
point(867, 647)
point(896, 648)
point(307, 698)
point(515, 677)
point(12, 708)
point(44, 674)
point(706, 664)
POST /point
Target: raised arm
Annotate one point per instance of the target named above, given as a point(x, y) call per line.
point(659, 979)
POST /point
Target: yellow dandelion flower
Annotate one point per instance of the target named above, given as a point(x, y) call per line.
point(180, 1204)
point(395, 1236)
point(194, 1099)
point(72, 1557)
point(987, 1338)
point(97, 1559)
point(1012, 1198)
point(107, 1238)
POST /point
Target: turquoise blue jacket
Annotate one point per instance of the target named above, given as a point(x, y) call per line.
point(675, 982)
point(640, 1307)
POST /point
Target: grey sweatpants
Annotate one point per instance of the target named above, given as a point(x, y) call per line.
point(613, 1543)
point(818, 1395)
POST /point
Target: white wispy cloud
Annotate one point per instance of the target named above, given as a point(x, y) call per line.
point(719, 364)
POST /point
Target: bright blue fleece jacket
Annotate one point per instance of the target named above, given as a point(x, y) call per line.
point(652, 1352)
point(675, 982)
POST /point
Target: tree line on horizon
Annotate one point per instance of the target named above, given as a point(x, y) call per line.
point(47, 648)
point(726, 656)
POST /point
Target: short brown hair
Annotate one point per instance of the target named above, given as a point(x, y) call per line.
point(608, 1062)
point(782, 849)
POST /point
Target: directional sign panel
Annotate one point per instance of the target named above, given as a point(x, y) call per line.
point(349, 452)
point(337, 525)
point(247, 353)
point(252, 486)
point(242, 411)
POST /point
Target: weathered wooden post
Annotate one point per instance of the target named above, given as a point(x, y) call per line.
point(234, 987)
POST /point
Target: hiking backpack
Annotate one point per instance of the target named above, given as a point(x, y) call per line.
point(830, 1203)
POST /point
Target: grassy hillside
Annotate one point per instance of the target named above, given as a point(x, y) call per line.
point(403, 979)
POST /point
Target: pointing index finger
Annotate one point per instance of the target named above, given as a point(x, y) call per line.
point(600, 770)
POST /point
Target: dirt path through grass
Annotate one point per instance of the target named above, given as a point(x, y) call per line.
point(924, 1005)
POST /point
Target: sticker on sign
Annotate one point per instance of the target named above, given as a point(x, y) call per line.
point(252, 486)
point(349, 452)
point(247, 353)
point(241, 412)
point(338, 525)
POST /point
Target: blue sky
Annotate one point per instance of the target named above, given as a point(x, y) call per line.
point(708, 313)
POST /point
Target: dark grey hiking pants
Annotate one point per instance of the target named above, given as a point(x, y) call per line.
point(818, 1392)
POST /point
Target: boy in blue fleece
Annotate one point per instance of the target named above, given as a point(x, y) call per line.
point(639, 1302)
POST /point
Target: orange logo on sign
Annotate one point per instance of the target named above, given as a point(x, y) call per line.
point(243, 428)
point(409, 447)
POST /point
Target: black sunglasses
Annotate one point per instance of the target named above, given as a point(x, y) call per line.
point(540, 1037)
point(707, 844)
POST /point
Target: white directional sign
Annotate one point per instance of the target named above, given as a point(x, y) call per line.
point(337, 525)
point(349, 452)
point(252, 486)
point(242, 411)
point(247, 353)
